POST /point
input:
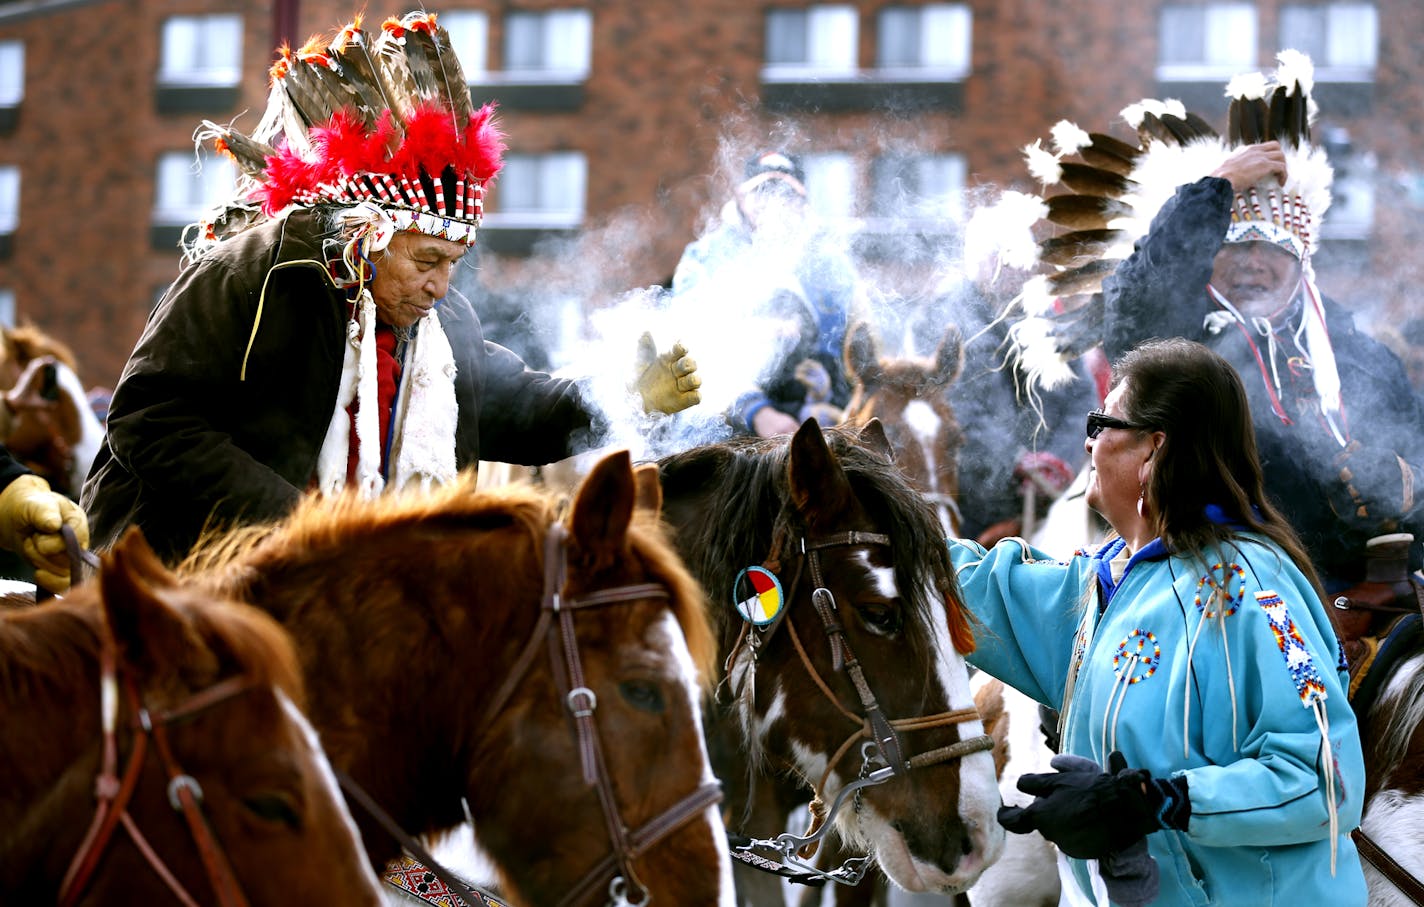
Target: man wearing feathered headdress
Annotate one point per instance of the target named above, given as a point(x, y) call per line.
point(312, 341)
point(1218, 236)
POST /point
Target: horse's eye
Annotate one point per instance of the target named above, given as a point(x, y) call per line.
point(882, 620)
point(274, 808)
point(643, 695)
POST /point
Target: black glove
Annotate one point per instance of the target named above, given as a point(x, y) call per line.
point(1090, 813)
point(1131, 876)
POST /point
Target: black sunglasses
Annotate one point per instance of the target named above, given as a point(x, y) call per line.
point(1099, 420)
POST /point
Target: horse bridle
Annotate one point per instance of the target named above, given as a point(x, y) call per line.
point(184, 792)
point(883, 754)
point(555, 628)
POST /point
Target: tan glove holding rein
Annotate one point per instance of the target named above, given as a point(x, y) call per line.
point(30, 519)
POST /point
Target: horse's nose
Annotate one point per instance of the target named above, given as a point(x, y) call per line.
point(941, 847)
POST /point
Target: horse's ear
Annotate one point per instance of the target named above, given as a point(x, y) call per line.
point(874, 439)
point(149, 634)
point(647, 488)
point(862, 354)
point(819, 487)
point(603, 508)
point(949, 358)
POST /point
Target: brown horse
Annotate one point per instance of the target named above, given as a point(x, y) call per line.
point(462, 646)
point(858, 674)
point(179, 712)
point(910, 397)
point(52, 428)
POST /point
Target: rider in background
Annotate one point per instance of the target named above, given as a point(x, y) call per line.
point(767, 242)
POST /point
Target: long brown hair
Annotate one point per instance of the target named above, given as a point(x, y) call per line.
point(1195, 397)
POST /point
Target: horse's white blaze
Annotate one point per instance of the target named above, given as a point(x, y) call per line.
point(327, 779)
point(1396, 823)
point(978, 789)
point(882, 578)
point(665, 635)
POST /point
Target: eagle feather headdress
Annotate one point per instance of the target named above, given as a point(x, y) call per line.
point(1109, 190)
point(386, 121)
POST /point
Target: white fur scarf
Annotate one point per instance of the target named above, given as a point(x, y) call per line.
point(423, 449)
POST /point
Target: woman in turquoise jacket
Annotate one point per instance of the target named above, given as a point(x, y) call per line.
point(1191, 656)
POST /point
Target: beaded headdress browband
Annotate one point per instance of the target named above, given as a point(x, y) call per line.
point(358, 122)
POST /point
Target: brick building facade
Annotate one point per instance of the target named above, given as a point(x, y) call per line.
point(628, 118)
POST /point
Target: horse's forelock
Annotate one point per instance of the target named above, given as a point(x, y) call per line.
point(917, 543)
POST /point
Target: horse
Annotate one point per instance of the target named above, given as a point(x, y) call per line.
point(178, 713)
point(54, 430)
point(910, 397)
point(478, 651)
point(844, 637)
point(1392, 829)
point(1381, 632)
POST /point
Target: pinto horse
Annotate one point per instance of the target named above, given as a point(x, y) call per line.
point(1387, 692)
point(851, 668)
point(910, 397)
point(545, 671)
point(178, 713)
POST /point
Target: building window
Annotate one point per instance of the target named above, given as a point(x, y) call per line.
point(188, 187)
point(12, 73)
point(814, 42)
point(1352, 192)
point(7, 307)
point(469, 36)
point(1342, 39)
point(921, 41)
point(540, 191)
point(830, 185)
point(201, 51)
point(9, 198)
point(1206, 43)
point(555, 44)
point(918, 188)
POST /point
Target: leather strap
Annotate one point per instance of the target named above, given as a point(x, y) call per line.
point(1375, 855)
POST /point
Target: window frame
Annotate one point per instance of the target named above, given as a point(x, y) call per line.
point(1211, 68)
point(540, 216)
point(959, 20)
point(578, 69)
point(823, 17)
point(199, 167)
point(229, 76)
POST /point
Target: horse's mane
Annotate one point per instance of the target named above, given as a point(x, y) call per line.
point(51, 647)
point(747, 480)
point(1395, 716)
point(27, 342)
point(319, 526)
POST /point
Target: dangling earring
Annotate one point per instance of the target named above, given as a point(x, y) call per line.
point(1142, 500)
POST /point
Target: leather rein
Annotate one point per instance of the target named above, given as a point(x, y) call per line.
point(555, 631)
point(883, 753)
point(114, 793)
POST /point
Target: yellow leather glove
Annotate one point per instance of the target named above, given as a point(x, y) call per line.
point(30, 519)
point(667, 382)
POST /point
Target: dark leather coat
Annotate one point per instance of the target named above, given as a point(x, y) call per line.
point(190, 440)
